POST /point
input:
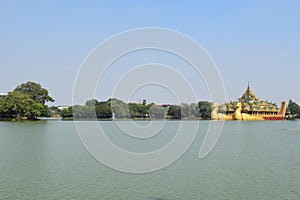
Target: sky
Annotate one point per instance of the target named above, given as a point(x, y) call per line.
point(47, 41)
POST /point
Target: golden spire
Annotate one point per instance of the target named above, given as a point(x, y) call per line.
point(248, 88)
point(248, 95)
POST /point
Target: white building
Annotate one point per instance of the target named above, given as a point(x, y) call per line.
point(62, 107)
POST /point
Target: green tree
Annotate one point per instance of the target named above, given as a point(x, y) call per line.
point(87, 112)
point(91, 110)
point(157, 112)
point(66, 113)
point(174, 111)
point(92, 102)
point(103, 111)
point(137, 110)
point(195, 111)
point(19, 105)
point(35, 91)
point(294, 109)
point(186, 110)
point(119, 108)
point(205, 109)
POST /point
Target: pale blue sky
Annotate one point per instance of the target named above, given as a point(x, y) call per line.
point(46, 41)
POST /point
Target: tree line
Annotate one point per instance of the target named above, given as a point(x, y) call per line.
point(117, 109)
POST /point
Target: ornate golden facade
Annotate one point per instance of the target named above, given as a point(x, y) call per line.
point(249, 107)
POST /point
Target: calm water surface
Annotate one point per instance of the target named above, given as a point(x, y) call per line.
point(252, 160)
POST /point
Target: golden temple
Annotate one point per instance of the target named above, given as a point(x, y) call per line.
point(249, 107)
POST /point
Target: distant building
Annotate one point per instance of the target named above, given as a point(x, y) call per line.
point(249, 107)
point(252, 105)
point(62, 107)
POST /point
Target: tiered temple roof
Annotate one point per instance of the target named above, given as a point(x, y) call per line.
point(250, 103)
point(253, 104)
point(248, 96)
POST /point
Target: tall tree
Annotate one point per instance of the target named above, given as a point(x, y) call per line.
point(294, 109)
point(26, 101)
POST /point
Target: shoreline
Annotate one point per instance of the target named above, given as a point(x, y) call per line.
point(127, 119)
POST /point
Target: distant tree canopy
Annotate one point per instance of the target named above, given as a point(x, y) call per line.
point(205, 109)
point(66, 113)
point(115, 108)
point(137, 110)
point(294, 109)
point(175, 111)
point(92, 109)
point(157, 112)
point(190, 111)
point(27, 101)
point(35, 91)
point(92, 102)
point(108, 109)
point(119, 109)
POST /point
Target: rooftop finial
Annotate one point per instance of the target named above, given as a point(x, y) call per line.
point(249, 79)
point(248, 91)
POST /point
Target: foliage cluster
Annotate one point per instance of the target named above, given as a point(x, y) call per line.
point(294, 110)
point(26, 101)
point(115, 108)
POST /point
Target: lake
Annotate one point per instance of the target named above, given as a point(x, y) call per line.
point(252, 160)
